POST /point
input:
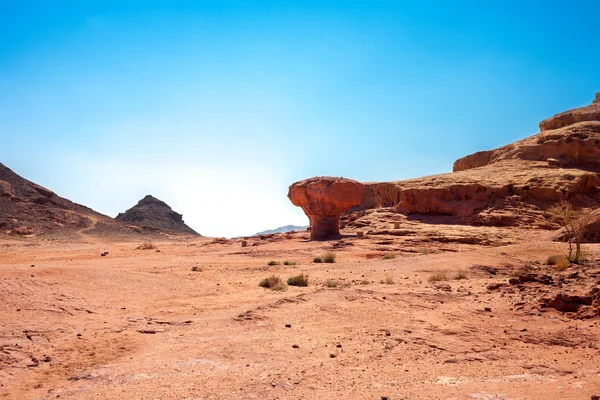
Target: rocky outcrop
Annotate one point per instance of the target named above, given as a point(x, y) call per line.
point(151, 212)
point(474, 160)
point(589, 113)
point(509, 186)
point(323, 200)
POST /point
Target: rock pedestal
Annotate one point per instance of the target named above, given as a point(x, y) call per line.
point(323, 200)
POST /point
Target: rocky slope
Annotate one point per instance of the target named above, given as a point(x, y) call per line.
point(27, 208)
point(509, 186)
point(153, 213)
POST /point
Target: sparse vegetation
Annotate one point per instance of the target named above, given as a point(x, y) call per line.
point(317, 260)
point(461, 275)
point(273, 262)
point(388, 280)
point(272, 282)
point(388, 256)
point(329, 257)
point(560, 261)
point(574, 223)
point(365, 282)
point(298, 280)
point(330, 283)
point(438, 277)
point(146, 246)
point(289, 262)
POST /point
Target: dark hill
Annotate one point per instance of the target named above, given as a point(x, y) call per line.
point(28, 208)
point(151, 212)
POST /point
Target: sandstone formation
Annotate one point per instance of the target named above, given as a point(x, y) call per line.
point(153, 213)
point(589, 113)
point(509, 186)
point(323, 200)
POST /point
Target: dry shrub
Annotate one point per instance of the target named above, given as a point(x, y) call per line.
point(298, 280)
point(272, 282)
point(330, 283)
point(329, 257)
point(437, 277)
point(146, 246)
point(388, 256)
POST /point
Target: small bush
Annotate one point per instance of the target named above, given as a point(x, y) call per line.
point(298, 280)
point(290, 263)
point(329, 257)
point(146, 246)
point(460, 275)
point(272, 282)
point(330, 283)
point(388, 256)
point(273, 262)
point(365, 282)
point(440, 276)
point(196, 269)
point(389, 280)
point(317, 260)
point(561, 262)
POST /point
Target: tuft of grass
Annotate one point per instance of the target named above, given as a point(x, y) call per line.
point(330, 283)
point(273, 262)
point(298, 280)
point(289, 262)
point(388, 256)
point(389, 279)
point(365, 282)
point(440, 276)
point(555, 259)
point(329, 257)
point(196, 269)
point(146, 246)
point(460, 275)
point(272, 282)
point(317, 260)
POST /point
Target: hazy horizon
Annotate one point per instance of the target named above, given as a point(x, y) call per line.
point(216, 107)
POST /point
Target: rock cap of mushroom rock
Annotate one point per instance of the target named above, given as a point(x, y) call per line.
point(582, 114)
point(324, 199)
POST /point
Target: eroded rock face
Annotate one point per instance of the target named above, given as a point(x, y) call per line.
point(589, 113)
point(323, 200)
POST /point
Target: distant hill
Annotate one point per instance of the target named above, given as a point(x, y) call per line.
point(153, 213)
point(282, 229)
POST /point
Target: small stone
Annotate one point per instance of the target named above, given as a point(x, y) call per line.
point(332, 355)
point(488, 309)
point(388, 333)
point(295, 346)
point(288, 325)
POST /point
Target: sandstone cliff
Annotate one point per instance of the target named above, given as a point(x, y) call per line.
point(512, 185)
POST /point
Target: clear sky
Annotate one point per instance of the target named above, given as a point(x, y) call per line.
point(216, 107)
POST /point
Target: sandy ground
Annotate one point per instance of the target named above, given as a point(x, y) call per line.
point(140, 324)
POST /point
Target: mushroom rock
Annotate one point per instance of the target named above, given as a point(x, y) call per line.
point(582, 114)
point(324, 200)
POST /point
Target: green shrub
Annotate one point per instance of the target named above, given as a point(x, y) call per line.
point(329, 257)
point(317, 260)
point(272, 282)
point(298, 280)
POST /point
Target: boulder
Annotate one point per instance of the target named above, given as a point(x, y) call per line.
point(323, 200)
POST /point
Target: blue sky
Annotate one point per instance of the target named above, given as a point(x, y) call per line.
point(217, 106)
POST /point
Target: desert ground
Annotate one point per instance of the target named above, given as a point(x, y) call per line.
point(188, 319)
